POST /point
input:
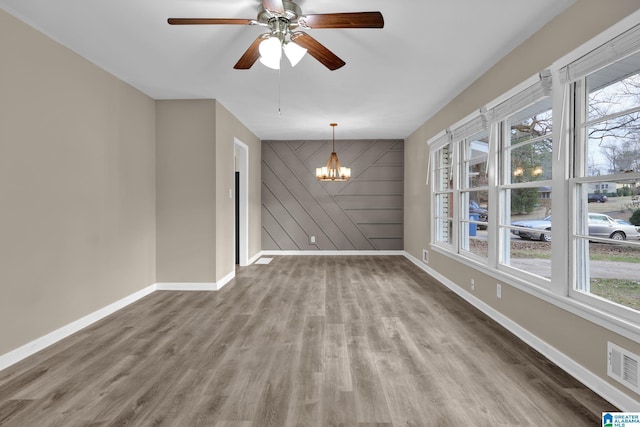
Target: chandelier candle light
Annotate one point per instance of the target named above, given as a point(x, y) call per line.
point(333, 171)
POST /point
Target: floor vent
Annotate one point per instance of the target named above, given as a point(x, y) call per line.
point(623, 366)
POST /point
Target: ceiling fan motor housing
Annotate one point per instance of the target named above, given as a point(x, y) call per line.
point(291, 14)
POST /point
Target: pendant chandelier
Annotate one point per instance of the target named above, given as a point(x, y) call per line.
point(333, 171)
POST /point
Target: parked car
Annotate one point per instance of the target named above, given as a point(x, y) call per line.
point(483, 214)
point(600, 225)
point(597, 198)
point(540, 229)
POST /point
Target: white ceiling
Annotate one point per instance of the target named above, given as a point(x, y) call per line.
point(394, 80)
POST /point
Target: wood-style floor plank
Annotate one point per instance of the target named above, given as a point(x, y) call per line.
point(302, 341)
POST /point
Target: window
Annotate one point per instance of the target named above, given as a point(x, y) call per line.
point(443, 196)
point(496, 177)
point(461, 190)
point(521, 127)
point(525, 189)
point(607, 177)
point(474, 194)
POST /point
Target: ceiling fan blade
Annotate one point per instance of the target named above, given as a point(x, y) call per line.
point(344, 20)
point(250, 56)
point(273, 5)
point(317, 50)
point(210, 21)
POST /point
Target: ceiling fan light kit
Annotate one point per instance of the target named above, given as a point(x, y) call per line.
point(333, 171)
point(271, 53)
point(294, 52)
point(282, 17)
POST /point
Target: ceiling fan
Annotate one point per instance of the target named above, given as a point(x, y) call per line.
point(284, 18)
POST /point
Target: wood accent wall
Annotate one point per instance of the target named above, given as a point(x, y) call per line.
point(365, 213)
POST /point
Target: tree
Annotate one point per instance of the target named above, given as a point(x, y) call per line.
point(523, 200)
point(635, 217)
point(531, 157)
point(615, 132)
point(622, 155)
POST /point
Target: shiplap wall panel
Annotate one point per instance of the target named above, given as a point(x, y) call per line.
point(382, 173)
point(300, 187)
point(377, 216)
point(365, 213)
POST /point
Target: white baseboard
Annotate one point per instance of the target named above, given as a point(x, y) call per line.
point(45, 341)
point(255, 258)
point(226, 279)
point(586, 377)
point(196, 286)
point(319, 252)
point(185, 286)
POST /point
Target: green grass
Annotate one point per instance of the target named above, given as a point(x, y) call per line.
point(617, 257)
point(625, 292)
point(527, 253)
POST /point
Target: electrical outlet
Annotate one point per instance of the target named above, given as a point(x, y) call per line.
point(425, 256)
point(473, 285)
point(312, 239)
point(499, 291)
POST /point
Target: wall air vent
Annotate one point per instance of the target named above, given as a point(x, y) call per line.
point(622, 365)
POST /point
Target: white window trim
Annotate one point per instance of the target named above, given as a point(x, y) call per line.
point(558, 294)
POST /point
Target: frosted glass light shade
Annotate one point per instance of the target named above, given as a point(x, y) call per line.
point(294, 52)
point(271, 52)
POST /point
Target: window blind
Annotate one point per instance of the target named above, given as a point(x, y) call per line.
point(440, 141)
point(522, 99)
point(471, 127)
point(620, 47)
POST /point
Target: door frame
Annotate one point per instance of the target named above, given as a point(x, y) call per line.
point(241, 158)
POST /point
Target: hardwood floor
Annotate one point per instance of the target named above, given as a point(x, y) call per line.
point(303, 341)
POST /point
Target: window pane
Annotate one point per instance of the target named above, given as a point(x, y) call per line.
point(444, 205)
point(617, 198)
point(614, 146)
point(532, 122)
point(614, 272)
point(532, 162)
point(531, 144)
point(477, 202)
point(531, 201)
point(614, 89)
point(476, 155)
point(479, 245)
point(444, 217)
point(444, 229)
point(473, 225)
point(527, 236)
point(443, 172)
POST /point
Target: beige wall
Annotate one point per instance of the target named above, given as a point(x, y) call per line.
point(186, 191)
point(79, 151)
point(228, 128)
point(195, 171)
point(77, 179)
point(574, 336)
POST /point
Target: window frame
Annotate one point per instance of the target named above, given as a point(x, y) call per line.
point(579, 279)
point(564, 163)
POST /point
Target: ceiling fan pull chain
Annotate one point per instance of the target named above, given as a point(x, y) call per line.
point(279, 93)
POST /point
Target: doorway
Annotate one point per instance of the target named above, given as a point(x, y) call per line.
point(241, 246)
point(238, 193)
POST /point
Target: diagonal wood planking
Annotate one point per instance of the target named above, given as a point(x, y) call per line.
point(365, 213)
